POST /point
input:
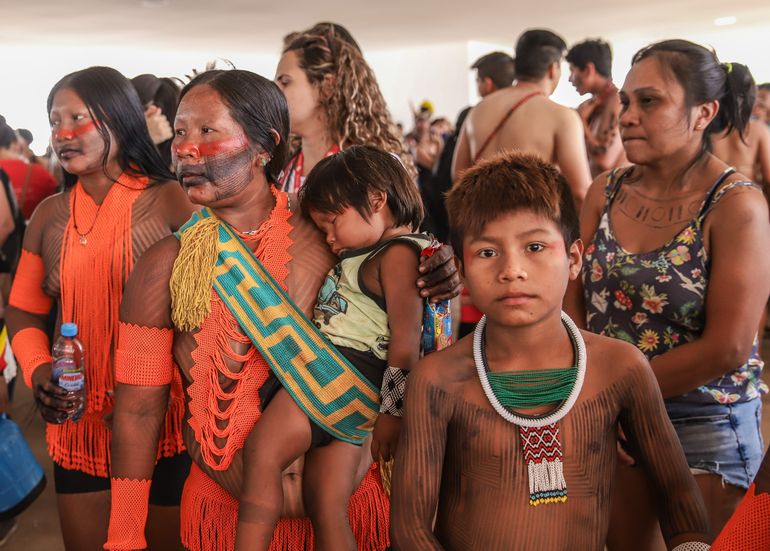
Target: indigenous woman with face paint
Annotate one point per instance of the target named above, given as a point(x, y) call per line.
point(230, 283)
point(78, 252)
point(676, 263)
point(334, 101)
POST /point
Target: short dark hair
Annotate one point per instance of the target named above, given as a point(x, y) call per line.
point(25, 134)
point(704, 78)
point(597, 52)
point(346, 179)
point(164, 93)
point(536, 50)
point(765, 87)
point(497, 66)
point(7, 135)
point(258, 105)
point(114, 104)
point(506, 183)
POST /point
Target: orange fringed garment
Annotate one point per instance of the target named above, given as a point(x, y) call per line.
point(222, 419)
point(27, 291)
point(92, 278)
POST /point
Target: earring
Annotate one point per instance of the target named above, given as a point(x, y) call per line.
point(263, 161)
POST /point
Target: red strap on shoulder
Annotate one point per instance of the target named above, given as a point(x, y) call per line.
point(518, 104)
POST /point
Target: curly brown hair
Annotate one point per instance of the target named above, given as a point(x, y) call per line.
point(351, 97)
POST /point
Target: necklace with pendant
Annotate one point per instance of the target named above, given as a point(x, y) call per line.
point(540, 439)
point(83, 237)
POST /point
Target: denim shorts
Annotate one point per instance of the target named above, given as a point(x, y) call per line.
point(723, 439)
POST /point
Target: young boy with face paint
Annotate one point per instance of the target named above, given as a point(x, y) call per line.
point(509, 436)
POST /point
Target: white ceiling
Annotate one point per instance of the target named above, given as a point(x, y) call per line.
point(258, 26)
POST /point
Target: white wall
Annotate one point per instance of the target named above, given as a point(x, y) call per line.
point(439, 72)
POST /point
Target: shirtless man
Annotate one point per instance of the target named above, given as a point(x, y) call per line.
point(493, 72)
point(460, 457)
point(749, 152)
point(590, 72)
point(522, 117)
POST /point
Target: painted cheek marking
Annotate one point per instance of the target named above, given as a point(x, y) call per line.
point(222, 146)
point(75, 132)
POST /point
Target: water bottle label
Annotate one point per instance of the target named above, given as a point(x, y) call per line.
point(72, 382)
point(67, 375)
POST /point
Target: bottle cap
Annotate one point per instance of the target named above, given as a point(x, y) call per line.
point(69, 329)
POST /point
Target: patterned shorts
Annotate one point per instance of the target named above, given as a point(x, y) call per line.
point(723, 439)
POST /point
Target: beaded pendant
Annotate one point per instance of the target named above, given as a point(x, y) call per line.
point(540, 440)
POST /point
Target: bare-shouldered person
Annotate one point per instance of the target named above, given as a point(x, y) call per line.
point(522, 117)
point(500, 466)
point(747, 151)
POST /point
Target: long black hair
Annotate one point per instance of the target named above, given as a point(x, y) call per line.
point(114, 104)
point(258, 105)
point(704, 78)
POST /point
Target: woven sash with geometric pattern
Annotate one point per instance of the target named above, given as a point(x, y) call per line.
point(331, 391)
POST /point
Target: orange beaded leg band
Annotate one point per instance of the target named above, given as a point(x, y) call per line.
point(144, 355)
point(128, 514)
point(27, 291)
point(749, 527)
point(32, 348)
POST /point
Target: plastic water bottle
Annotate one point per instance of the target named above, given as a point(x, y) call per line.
point(69, 370)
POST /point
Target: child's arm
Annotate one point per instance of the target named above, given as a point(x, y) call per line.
point(680, 507)
point(420, 458)
point(397, 270)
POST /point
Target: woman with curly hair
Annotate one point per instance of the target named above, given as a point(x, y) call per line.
point(334, 101)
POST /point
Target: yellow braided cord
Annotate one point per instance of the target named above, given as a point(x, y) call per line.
point(193, 274)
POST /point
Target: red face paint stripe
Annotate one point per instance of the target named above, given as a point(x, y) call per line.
point(75, 132)
point(211, 148)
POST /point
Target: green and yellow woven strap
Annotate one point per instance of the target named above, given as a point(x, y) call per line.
point(331, 391)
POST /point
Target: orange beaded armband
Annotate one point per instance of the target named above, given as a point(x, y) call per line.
point(143, 356)
point(128, 514)
point(27, 291)
point(32, 348)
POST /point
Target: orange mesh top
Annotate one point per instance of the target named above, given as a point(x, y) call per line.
point(95, 262)
point(217, 414)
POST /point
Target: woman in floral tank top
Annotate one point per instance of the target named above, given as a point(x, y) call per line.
point(665, 270)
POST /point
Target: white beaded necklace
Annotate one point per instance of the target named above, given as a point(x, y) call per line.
point(540, 440)
point(580, 351)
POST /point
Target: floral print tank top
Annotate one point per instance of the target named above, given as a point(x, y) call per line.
point(656, 300)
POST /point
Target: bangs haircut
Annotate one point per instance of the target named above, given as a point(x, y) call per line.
point(347, 178)
point(508, 183)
